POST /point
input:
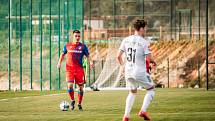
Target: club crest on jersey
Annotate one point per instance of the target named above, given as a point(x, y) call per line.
point(80, 47)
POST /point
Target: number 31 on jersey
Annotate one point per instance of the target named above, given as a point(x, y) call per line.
point(131, 55)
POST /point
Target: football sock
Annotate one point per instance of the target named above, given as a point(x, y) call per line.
point(129, 103)
point(147, 100)
point(71, 93)
point(80, 96)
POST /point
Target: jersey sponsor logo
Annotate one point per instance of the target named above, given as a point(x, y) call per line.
point(75, 51)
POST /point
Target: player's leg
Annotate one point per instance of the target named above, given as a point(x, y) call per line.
point(70, 91)
point(71, 95)
point(80, 81)
point(80, 96)
point(130, 98)
point(146, 102)
point(149, 86)
point(148, 98)
point(129, 103)
point(70, 81)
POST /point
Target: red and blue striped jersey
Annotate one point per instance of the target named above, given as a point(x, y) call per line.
point(75, 53)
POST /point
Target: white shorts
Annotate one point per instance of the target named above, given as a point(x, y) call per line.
point(143, 81)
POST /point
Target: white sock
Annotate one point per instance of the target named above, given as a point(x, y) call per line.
point(147, 100)
point(129, 103)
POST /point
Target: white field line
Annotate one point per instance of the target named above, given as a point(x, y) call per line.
point(182, 112)
point(85, 89)
point(15, 98)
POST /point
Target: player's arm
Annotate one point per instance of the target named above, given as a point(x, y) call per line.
point(61, 57)
point(90, 62)
point(120, 60)
point(119, 57)
point(120, 53)
point(60, 60)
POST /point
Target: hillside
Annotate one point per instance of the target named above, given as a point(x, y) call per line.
point(183, 62)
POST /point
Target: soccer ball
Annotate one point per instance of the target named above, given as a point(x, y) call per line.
point(64, 106)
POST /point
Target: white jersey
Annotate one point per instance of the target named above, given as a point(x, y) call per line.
point(136, 49)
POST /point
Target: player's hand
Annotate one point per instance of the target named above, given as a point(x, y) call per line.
point(58, 65)
point(154, 64)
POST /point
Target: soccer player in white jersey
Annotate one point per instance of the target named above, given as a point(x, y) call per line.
point(136, 50)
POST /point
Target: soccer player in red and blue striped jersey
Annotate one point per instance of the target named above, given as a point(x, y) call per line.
point(75, 52)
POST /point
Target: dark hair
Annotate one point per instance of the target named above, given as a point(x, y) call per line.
point(139, 23)
point(76, 31)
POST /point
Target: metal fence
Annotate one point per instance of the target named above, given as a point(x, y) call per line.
point(33, 33)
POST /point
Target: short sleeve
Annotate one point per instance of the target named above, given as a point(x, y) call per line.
point(85, 51)
point(147, 48)
point(64, 49)
point(122, 46)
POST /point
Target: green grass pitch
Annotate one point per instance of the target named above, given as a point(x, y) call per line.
point(168, 105)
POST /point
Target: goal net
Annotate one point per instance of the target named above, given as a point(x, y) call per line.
point(110, 76)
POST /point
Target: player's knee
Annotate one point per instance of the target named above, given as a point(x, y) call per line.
point(151, 93)
point(151, 88)
point(80, 91)
point(70, 85)
point(80, 88)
